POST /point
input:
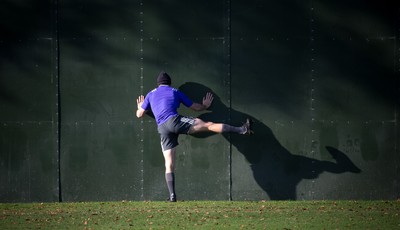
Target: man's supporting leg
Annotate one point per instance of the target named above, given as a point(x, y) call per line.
point(169, 157)
point(170, 179)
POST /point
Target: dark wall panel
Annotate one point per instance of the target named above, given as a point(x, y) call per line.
point(271, 85)
point(327, 120)
point(28, 162)
point(100, 139)
point(28, 102)
point(355, 100)
point(100, 161)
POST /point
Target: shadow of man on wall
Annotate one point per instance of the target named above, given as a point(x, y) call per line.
point(275, 169)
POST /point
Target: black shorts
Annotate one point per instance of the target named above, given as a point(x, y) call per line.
point(170, 130)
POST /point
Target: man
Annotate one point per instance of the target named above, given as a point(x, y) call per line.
point(164, 101)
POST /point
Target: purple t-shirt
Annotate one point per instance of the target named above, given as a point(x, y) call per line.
point(164, 102)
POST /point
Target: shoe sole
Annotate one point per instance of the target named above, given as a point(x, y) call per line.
point(249, 124)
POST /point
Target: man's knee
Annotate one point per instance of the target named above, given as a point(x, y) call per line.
point(169, 169)
point(204, 124)
point(169, 165)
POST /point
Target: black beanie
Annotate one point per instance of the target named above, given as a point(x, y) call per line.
point(163, 79)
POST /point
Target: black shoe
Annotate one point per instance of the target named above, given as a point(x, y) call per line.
point(247, 127)
point(172, 198)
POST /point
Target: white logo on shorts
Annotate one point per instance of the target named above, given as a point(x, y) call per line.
point(187, 120)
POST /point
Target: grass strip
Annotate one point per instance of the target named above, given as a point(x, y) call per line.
point(203, 215)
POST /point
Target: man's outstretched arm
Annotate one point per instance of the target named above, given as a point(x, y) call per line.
point(140, 111)
point(207, 100)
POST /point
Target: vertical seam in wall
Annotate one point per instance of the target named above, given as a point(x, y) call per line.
point(312, 89)
point(141, 92)
point(229, 79)
point(396, 118)
point(58, 96)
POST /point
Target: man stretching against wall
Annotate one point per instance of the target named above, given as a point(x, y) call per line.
point(164, 102)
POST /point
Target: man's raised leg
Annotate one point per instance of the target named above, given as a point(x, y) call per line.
point(202, 126)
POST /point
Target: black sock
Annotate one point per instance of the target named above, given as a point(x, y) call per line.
point(170, 178)
point(232, 129)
